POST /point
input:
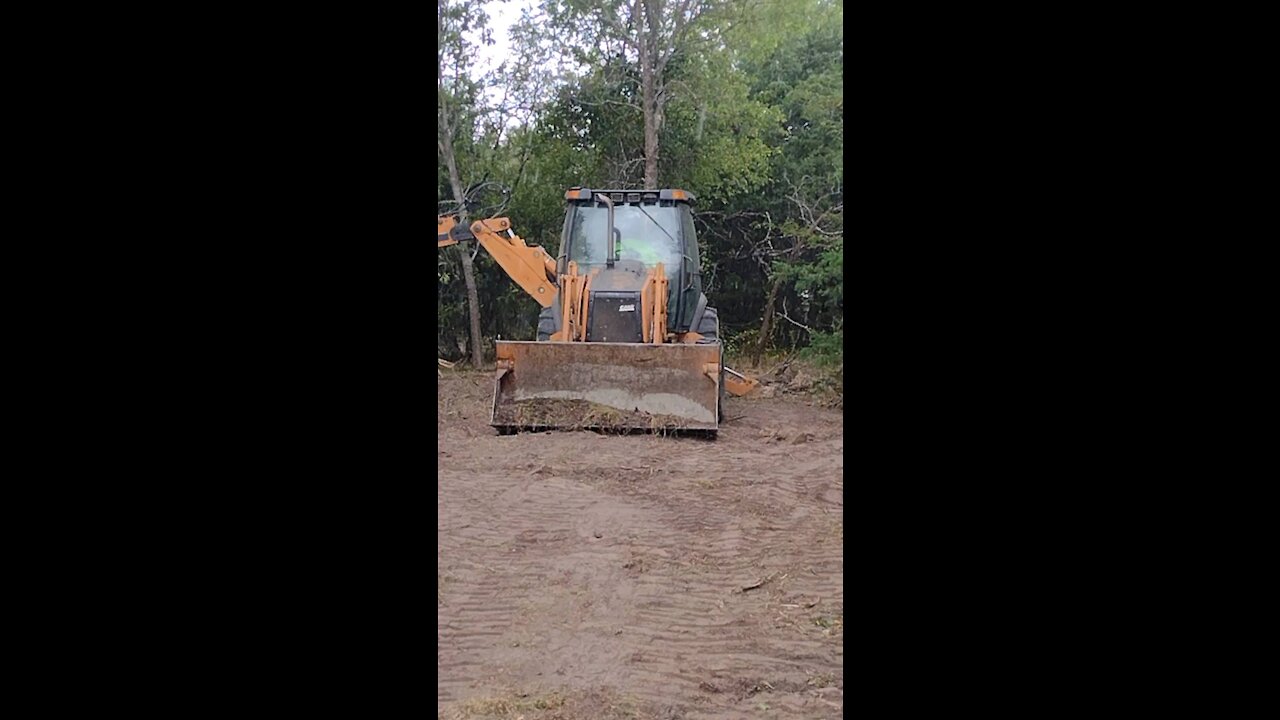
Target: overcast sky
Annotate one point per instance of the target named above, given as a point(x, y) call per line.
point(502, 15)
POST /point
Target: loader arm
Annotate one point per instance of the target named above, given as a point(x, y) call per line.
point(528, 265)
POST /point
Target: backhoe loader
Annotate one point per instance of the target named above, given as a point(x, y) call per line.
point(625, 338)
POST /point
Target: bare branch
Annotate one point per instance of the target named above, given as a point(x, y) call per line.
point(782, 314)
point(680, 23)
point(633, 106)
point(623, 34)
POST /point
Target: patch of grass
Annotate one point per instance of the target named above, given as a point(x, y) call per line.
point(507, 706)
point(822, 680)
point(830, 624)
point(553, 705)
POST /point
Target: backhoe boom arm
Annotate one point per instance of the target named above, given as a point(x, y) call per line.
point(528, 265)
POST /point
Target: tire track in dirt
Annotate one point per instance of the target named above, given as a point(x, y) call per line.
point(703, 577)
point(488, 598)
point(717, 654)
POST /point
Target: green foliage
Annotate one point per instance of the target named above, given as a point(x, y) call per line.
point(825, 348)
point(753, 125)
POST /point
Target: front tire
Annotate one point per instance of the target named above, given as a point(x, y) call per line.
point(709, 329)
point(546, 324)
point(709, 325)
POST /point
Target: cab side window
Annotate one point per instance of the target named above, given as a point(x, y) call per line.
point(690, 242)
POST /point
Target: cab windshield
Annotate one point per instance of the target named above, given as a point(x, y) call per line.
point(643, 238)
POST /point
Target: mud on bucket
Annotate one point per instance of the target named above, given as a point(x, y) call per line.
point(606, 386)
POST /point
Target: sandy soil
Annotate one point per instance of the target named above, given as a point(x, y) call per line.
point(602, 576)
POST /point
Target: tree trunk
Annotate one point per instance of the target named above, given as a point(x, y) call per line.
point(649, 102)
point(468, 273)
point(473, 304)
point(766, 326)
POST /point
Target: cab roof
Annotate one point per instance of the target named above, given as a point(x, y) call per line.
point(578, 193)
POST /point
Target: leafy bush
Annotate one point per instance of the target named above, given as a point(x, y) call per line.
point(825, 348)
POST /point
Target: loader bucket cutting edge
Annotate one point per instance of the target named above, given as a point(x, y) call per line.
point(606, 386)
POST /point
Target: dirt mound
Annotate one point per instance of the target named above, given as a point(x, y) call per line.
point(821, 385)
point(542, 413)
point(639, 576)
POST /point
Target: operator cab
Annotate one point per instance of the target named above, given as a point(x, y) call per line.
point(649, 227)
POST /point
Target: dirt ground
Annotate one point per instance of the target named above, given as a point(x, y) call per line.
point(589, 577)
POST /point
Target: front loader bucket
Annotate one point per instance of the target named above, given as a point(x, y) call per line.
point(606, 386)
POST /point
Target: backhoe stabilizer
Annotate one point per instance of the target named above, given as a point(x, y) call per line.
point(606, 386)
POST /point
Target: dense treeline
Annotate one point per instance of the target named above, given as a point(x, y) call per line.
point(739, 101)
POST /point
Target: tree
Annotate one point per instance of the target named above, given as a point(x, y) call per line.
point(650, 33)
point(803, 78)
point(454, 89)
point(744, 107)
